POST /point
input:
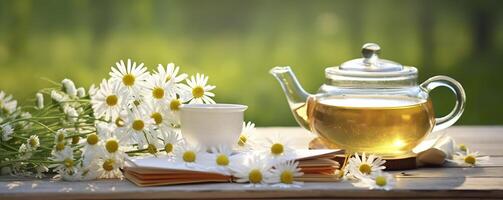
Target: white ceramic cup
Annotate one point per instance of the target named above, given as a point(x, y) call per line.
point(211, 125)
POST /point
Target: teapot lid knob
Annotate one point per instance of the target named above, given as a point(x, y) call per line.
point(370, 52)
point(370, 62)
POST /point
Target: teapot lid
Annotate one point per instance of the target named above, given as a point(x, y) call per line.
point(370, 65)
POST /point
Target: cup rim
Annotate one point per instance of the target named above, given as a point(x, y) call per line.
point(218, 107)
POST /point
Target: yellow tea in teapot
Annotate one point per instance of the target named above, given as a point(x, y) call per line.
point(386, 126)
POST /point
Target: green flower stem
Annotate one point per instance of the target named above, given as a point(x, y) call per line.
point(19, 137)
point(43, 125)
point(9, 153)
point(78, 101)
point(137, 151)
point(8, 146)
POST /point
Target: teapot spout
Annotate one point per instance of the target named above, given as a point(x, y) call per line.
point(295, 94)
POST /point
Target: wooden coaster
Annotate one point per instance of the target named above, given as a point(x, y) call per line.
point(403, 163)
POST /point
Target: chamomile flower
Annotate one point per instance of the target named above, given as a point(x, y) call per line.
point(246, 135)
point(58, 96)
point(379, 180)
point(200, 91)
point(7, 132)
point(159, 115)
point(91, 147)
point(137, 125)
point(39, 100)
point(130, 76)
point(361, 167)
point(175, 102)
point(60, 136)
point(158, 89)
point(71, 114)
point(284, 173)
point(188, 154)
point(118, 125)
point(469, 158)
point(81, 92)
point(109, 100)
point(65, 163)
point(277, 147)
point(7, 104)
point(113, 145)
point(69, 87)
point(170, 73)
point(171, 140)
point(109, 143)
point(254, 170)
point(33, 142)
point(109, 166)
point(25, 152)
point(221, 157)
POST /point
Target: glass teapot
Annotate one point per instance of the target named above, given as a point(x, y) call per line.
point(370, 105)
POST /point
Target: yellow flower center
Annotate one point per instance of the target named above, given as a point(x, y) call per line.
point(128, 80)
point(75, 139)
point(462, 147)
point(175, 104)
point(189, 156)
point(112, 145)
point(277, 149)
point(470, 160)
point(168, 148)
point(198, 92)
point(68, 163)
point(365, 168)
point(158, 93)
point(60, 146)
point(92, 139)
point(222, 160)
point(242, 140)
point(61, 137)
point(381, 181)
point(286, 177)
point(112, 100)
point(255, 176)
point(138, 125)
point(157, 117)
point(33, 142)
point(108, 165)
point(119, 122)
point(152, 149)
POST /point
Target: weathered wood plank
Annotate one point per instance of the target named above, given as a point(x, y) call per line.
point(115, 189)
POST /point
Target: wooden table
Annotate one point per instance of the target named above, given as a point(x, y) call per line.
point(484, 181)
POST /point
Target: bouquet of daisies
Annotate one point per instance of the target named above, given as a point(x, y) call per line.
point(86, 136)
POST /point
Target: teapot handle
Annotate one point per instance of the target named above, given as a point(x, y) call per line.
point(448, 120)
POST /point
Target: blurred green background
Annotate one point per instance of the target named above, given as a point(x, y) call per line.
point(237, 42)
